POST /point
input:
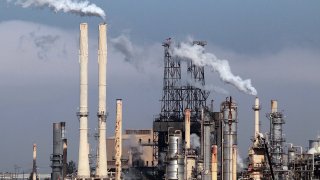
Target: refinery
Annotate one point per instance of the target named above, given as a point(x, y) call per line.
point(190, 137)
point(193, 135)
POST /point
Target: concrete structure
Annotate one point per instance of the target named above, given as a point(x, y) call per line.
point(206, 145)
point(83, 160)
point(101, 169)
point(137, 149)
point(65, 149)
point(118, 139)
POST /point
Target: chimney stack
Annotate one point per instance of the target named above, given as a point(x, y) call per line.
point(118, 139)
point(214, 162)
point(187, 127)
point(256, 109)
point(83, 161)
point(101, 170)
point(34, 171)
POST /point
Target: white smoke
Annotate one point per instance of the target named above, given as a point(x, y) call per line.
point(79, 7)
point(209, 87)
point(124, 45)
point(240, 163)
point(194, 141)
point(196, 54)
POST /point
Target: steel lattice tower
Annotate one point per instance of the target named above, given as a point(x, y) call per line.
point(176, 98)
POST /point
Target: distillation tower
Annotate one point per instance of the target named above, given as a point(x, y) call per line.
point(276, 140)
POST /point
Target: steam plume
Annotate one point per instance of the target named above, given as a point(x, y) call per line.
point(194, 141)
point(79, 7)
point(123, 44)
point(196, 54)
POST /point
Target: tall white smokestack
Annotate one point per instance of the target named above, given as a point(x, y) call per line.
point(187, 127)
point(101, 170)
point(34, 172)
point(256, 109)
point(83, 162)
point(118, 139)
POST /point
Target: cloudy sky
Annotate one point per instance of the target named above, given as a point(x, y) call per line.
point(276, 44)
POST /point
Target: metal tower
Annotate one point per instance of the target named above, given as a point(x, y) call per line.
point(176, 98)
point(276, 139)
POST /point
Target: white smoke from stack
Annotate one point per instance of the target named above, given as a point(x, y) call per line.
point(208, 87)
point(78, 7)
point(196, 54)
point(194, 141)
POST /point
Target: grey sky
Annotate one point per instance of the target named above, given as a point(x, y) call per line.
point(276, 44)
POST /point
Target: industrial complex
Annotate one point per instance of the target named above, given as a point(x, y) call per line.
point(190, 138)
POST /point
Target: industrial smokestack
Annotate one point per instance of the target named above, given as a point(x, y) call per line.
point(256, 109)
point(187, 127)
point(102, 171)
point(234, 162)
point(83, 161)
point(65, 148)
point(214, 162)
point(274, 106)
point(57, 153)
point(118, 139)
point(34, 169)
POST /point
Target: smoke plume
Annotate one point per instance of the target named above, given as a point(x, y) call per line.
point(196, 54)
point(194, 141)
point(78, 7)
point(123, 44)
point(209, 87)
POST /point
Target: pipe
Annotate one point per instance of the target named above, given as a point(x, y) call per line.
point(102, 171)
point(274, 106)
point(187, 128)
point(214, 162)
point(83, 161)
point(234, 162)
point(34, 173)
point(64, 147)
point(118, 139)
point(256, 109)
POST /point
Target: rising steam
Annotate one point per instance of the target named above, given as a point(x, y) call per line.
point(196, 54)
point(79, 7)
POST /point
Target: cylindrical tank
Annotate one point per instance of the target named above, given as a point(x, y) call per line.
point(229, 115)
point(175, 158)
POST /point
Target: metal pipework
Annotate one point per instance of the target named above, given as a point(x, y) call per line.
point(187, 128)
point(101, 169)
point(34, 171)
point(214, 162)
point(83, 161)
point(256, 109)
point(118, 139)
